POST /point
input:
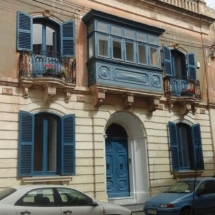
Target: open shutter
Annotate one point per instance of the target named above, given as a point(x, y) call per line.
point(174, 146)
point(26, 144)
point(24, 31)
point(68, 39)
point(191, 66)
point(197, 146)
point(68, 145)
point(167, 61)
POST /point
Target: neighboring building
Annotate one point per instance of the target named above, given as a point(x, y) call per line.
point(135, 111)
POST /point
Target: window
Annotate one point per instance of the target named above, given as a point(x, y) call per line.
point(46, 144)
point(118, 43)
point(186, 146)
point(71, 197)
point(178, 65)
point(41, 35)
point(38, 198)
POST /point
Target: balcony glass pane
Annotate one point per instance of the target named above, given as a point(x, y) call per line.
point(102, 27)
point(116, 30)
point(141, 37)
point(117, 49)
point(142, 54)
point(103, 46)
point(50, 40)
point(37, 38)
point(90, 28)
point(154, 56)
point(90, 42)
point(153, 39)
point(129, 33)
point(129, 51)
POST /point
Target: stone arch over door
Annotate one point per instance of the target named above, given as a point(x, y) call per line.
point(137, 156)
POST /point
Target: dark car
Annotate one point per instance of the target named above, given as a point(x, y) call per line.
point(185, 197)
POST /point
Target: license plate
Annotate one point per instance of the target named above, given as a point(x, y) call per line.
point(152, 212)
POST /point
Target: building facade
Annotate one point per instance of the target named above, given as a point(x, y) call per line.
point(114, 98)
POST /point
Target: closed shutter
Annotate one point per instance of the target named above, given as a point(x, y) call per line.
point(68, 39)
point(197, 147)
point(68, 145)
point(24, 31)
point(191, 66)
point(26, 144)
point(167, 62)
point(174, 146)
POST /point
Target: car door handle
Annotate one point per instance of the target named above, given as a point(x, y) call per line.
point(67, 212)
point(25, 212)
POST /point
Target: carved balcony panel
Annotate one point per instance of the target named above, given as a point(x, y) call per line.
point(47, 69)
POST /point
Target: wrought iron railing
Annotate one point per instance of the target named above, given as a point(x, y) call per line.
point(51, 64)
point(181, 87)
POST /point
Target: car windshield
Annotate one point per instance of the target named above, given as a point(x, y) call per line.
point(182, 187)
point(6, 192)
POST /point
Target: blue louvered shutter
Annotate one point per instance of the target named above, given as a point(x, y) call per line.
point(197, 147)
point(174, 146)
point(26, 144)
point(68, 145)
point(24, 31)
point(68, 39)
point(191, 66)
point(167, 61)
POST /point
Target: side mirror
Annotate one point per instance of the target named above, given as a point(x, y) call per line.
point(94, 203)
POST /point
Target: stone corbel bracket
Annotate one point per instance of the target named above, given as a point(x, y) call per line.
point(187, 107)
point(68, 92)
point(49, 92)
point(26, 86)
point(98, 97)
point(153, 104)
point(127, 100)
point(170, 103)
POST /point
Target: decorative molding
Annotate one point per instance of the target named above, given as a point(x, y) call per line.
point(127, 100)
point(98, 97)
point(153, 104)
point(47, 13)
point(7, 90)
point(49, 93)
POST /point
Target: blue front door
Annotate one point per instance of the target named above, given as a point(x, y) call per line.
point(117, 168)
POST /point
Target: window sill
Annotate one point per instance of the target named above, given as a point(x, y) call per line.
point(187, 174)
point(63, 180)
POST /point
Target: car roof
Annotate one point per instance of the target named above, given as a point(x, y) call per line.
point(198, 179)
point(38, 186)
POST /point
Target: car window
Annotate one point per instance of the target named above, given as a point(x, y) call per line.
point(6, 192)
point(38, 198)
point(206, 187)
point(181, 187)
point(70, 197)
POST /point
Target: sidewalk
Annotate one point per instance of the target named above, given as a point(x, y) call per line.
point(138, 212)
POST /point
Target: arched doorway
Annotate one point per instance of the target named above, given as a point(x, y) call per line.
point(117, 173)
point(128, 131)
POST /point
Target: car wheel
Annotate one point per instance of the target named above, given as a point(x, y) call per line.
point(186, 211)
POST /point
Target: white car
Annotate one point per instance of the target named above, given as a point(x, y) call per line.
point(53, 200)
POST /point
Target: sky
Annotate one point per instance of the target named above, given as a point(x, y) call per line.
point(210, 3)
